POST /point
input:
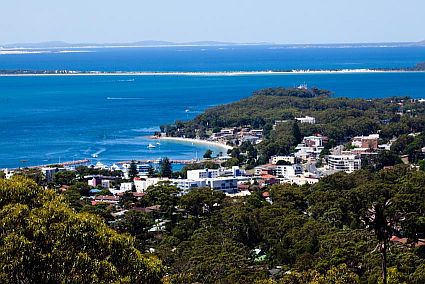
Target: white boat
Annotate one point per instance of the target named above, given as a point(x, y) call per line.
point(95, 155)
point(151, 146)
point(157, 143)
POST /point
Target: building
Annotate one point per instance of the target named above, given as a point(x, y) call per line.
point(106, 183)
point(370, 142)
point(346, 163)
point(143, 169)
point(49, 173)
point(304, 152)
point(315, 141)
point(289, 170)
point(126, 186)
point(186, 184)
point(229, 185)
point(300, 180)
point(202, 174)
point(106, 199)
point(142, 184)
point(306, 119)
point(275, 159)
point(95, 181)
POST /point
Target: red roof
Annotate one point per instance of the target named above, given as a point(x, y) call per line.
point(267, 176)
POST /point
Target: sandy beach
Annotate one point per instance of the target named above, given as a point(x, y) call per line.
point(210, 74)
point(196, 141)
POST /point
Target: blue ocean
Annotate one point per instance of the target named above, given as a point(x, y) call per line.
point(49, 119)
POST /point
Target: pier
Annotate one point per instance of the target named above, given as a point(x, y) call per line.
point(173, 161)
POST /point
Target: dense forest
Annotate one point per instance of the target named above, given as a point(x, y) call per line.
point(330, 232)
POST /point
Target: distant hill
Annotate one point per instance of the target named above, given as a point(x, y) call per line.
point(152, 43)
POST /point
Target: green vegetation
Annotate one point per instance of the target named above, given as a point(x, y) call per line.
point(322, 233)
point(166, 168)
point(42, 240)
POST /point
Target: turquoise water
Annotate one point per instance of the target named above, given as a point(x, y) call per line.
point(56, 118)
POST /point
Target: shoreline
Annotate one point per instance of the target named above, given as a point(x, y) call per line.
point(213, 73)
point(194, 141)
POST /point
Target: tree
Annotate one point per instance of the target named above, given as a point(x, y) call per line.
point(208, 154)
point(381, 226)
point(296, 132)
point(201, 201)
point(44, 241)
point(132, 171)
point(151, 171)
point(166, 168)
point(65, 177)
point(165, 195)
point(136, 224)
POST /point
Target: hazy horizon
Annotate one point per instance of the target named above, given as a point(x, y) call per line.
point(148, 42)
point(271, 21)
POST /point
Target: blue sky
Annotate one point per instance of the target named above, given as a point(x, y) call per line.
point(279, 21)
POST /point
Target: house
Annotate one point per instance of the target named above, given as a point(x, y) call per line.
point(306, 119)
point(346, 163)
point(126, 186)
point(275, 159)
point(106, 199)
point(315, 140)
point(95, 181)
point(370, 141)
point(300, 180)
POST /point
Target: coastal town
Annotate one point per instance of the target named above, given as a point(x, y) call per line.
point(310, 161)
point(285, 173)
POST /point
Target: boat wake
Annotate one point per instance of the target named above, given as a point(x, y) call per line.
point(117, 98)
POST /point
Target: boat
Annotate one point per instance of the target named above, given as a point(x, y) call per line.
point(157, 143)
point(95, 155)
point(151, 146)
point(302, 87)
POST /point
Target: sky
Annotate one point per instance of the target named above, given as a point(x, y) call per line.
point(273, 21)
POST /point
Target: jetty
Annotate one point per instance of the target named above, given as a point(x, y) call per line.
point(173, 161)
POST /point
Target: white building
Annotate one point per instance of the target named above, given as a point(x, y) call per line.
point(186, 184)
point(275, 159)
point(289, 170)
point(346, 163)
point(202, 174)
point(229, 185)
point(314, 141)
point(300, 180)
point(304, 152)
point(126, 186)
point(306, 119)
point(142, 184)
